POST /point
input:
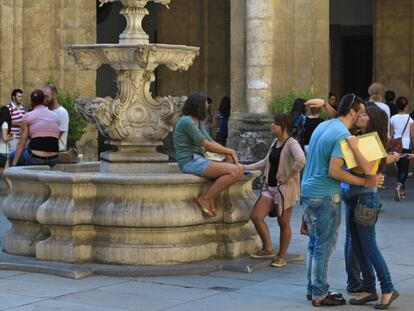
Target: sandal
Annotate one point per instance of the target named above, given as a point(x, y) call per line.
point(206, 212)
point(262, 253)
point(278, 262)
point(360, 301)
point(383, 306)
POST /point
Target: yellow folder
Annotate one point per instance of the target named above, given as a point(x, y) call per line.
point(370, 146)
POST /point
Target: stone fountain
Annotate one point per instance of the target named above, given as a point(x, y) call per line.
point(133, 207)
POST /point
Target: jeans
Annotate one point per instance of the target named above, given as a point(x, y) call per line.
point(352, 268)
point(365, 247)
point(26, 158)
point(323, 217)
point(403, 165)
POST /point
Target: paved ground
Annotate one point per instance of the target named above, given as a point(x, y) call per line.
point(265, 289)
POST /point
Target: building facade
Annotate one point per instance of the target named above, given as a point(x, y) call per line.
point(252, 51)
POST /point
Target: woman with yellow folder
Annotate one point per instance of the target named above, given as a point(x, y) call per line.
point(363, 238)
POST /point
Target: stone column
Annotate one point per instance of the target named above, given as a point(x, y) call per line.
point(394, 46)
point(284, 46)
point(259, 50)
point(251, 77)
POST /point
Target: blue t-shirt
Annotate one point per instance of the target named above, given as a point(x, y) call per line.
point(324, 145)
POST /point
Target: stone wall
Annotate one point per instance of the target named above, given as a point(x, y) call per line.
point(202, 23)
point(394, 46)
point(33, 40)
point(34, 36)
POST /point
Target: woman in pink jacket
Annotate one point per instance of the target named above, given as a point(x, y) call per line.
point(281, 166)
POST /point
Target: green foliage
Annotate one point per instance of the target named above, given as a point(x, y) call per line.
point(284, 103)
point(76, 123)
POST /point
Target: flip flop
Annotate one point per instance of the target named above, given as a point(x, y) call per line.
point(206, 212)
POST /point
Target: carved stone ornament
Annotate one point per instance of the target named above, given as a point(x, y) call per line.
point(134, 12)
point(133, 121)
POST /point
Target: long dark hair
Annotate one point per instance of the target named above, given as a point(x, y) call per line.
point(196, 106)
point(298, 107)
point(5, 117)
point(225, 106)
point(378, 122)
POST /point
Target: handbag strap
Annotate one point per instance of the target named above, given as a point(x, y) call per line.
point(405, 127)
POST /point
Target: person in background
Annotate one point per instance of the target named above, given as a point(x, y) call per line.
point(312, 120)
point(402, 126)
point(376, 95)
point(17, 113)
point(6, 137)
point(222, 117)
point(190, 138)
point(332, 100)
point(207, 122)
point(281, 166)
point(51, 94)
point(297, 114)
point(389, 101)
point(41, 126)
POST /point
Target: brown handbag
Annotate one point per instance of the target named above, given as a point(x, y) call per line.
point(396, 143)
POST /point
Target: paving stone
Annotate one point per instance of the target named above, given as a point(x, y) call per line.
point(9, 300)
point(134, 302)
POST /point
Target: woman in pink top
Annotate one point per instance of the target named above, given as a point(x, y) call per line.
point(41, 126)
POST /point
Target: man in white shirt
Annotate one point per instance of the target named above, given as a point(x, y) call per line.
point(51, 92)
point(376, 95)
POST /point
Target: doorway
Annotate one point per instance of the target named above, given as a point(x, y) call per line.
point(351, 47)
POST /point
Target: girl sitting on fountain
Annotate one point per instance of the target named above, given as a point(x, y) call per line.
point(190, 138)
point(42, 126)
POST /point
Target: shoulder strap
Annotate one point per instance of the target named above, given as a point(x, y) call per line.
point(406, 124)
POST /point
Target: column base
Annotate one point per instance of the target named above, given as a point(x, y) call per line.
point(250, 135)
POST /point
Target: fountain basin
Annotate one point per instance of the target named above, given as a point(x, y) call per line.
point(74, 213)
point(134, 56)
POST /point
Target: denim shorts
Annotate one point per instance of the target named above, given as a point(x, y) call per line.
point(197, 166)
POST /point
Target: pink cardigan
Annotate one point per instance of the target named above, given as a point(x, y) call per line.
point(292, 161)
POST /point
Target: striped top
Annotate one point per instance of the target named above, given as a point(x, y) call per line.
point(17, 114)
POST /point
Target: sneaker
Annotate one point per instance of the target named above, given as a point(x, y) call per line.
point(397, 194)
point(278, 262)
point(262, 253)
point(330, 300)
point(334, 294)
